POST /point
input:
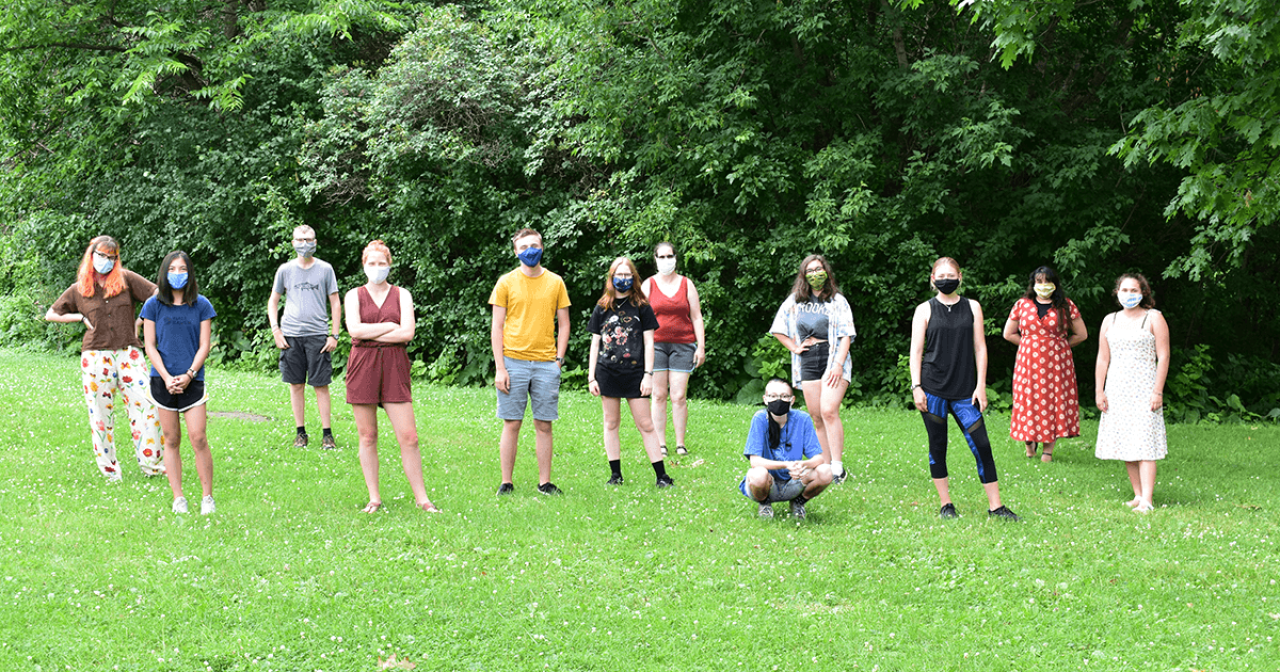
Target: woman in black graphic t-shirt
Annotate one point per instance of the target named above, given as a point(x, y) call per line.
point(621, 366)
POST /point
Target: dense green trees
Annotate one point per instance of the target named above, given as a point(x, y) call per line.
point(1095, 136)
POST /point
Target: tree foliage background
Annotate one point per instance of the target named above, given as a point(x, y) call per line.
point(1096, 137)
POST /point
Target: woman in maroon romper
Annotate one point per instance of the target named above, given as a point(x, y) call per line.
point(380, 321)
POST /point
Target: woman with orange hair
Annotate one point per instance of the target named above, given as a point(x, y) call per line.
point(112, 368)
point(380, 321)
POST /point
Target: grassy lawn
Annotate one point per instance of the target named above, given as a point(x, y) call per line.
point(289, 575)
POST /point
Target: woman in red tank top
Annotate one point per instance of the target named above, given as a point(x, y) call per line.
point(380, 321)
point(679, 343)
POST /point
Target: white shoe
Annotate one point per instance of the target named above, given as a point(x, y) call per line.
point(206, 506)
point(180, 505)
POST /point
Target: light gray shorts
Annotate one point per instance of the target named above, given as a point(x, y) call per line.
point(536, 383)
point(780, 491)
point(676, 357)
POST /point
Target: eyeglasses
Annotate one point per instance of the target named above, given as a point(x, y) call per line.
point(664, 256)
point(776, 397)
point(112, 257)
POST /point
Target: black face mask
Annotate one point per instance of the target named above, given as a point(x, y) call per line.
point(947, 286)
point(779, 407)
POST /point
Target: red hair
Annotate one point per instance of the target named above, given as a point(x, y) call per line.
point(88, 277)
point(375, 246)
point(610, 296)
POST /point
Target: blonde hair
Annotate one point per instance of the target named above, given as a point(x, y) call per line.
point(375, 246)
point(944, 260)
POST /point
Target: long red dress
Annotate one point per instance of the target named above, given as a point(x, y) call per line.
point(1046, 401)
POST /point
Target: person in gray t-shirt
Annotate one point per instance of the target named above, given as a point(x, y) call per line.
point(307, 334)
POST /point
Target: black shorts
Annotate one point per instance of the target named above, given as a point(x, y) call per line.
point(813, 362)
point(190, 398)
point(303, 361)
point(620, 383)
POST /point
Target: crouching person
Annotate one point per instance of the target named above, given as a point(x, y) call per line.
point(787, 464)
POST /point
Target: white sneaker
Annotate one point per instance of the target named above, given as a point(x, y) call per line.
point(206, 506)
point(180, 505)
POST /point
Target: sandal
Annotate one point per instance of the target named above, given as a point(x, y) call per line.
point(1048, 453)
point(681, 450)
point(429, 507)
point(372, 507)
point(664, 450)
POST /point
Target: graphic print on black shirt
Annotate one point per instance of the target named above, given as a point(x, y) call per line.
point(621, 333)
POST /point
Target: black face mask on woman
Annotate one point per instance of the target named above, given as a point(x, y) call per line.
point(947, 285)
point(779, 407)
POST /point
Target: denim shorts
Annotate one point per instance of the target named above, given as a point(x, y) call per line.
point(779, 491)
point(536, 383)
point(676, 357)
point(813, 362)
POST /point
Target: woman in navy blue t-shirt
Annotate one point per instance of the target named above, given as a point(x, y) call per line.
point(177, 328)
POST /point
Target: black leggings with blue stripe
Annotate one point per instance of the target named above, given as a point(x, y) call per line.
point(969, 419)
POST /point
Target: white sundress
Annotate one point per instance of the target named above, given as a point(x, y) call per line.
point(1130, 430)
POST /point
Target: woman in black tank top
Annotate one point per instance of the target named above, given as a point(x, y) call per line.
point(949, 377)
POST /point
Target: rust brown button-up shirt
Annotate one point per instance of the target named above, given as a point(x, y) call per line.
point(112, 317)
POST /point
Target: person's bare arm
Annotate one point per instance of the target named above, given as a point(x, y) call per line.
point(501, 379)
point(273, 319)
point(919, 323)
point(1161, 330)
point(699, 329)
point(980, 356)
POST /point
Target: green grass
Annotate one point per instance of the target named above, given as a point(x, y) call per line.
point(289, 575)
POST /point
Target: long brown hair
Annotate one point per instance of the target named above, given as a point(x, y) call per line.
point(1148, 295)
point(610, 295)
point(1058, 299)
point(801, 287)
point(87, 277)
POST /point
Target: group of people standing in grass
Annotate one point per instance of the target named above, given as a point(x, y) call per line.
point(647, 337)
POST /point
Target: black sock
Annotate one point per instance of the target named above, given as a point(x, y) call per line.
point(615, 466)
point(302, 429)
point(801, 499)
point(328, 431)
point(660, 468)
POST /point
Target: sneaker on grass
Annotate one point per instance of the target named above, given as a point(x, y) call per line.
point(615, 479)
point(549, 489)
point(1005, 513)
point(180, 505)
point(206, 506)
point(797, 510)
point(766, 511)
point(666, 482)
point(506, 489)
point(948, 511)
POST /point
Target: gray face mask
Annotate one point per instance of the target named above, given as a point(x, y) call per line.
point(304, 249)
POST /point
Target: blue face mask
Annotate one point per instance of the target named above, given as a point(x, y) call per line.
point(1130, 300)
point(177, 280)
point(623, 284)
point(531, 256)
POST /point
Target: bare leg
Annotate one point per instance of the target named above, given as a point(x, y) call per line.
point(816, 480)
point(406, 428)
point(1047, 452)
point(507, 448)
point(813, 402)
point(759, 481)
point(993, 495)
point(197, 420)
point(1031, 448)
point(612, 419)
point(542, 444)
point(659, 410)
point(367, 430)
point(679, 404)
point(832, 398)
point(298, 400)
point(171, 429)
point(1147, 476)
point(640, 415)
point(943, 486)
point(1135, 480)
point(323, 404)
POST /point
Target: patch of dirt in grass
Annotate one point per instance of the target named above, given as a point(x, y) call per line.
point(240, 415)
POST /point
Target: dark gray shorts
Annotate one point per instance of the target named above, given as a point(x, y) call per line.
point(676, 357)
point(304, 363)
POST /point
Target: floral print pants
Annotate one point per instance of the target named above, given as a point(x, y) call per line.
point(114, 378)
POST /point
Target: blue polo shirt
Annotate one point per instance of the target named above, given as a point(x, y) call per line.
point(798, 442)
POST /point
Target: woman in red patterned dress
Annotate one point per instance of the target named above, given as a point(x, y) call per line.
point(1045, 325)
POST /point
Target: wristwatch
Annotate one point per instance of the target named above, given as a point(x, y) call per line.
point(559, 360)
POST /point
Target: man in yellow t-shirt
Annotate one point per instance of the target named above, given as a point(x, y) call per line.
point(529, 337)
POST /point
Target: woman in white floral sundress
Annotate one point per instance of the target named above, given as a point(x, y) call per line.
point(1133, 361)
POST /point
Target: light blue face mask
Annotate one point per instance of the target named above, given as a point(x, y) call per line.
point(1130, 300)
point(103, 265)
point(177, 280)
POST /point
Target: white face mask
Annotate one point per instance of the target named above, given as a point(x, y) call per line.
point(666, 266)
point(103, 265)
point(377, 274)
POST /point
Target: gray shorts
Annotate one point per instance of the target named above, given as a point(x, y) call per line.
point(303, 361)
point(536, 383)
point(676, 357)
point(780, 491)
